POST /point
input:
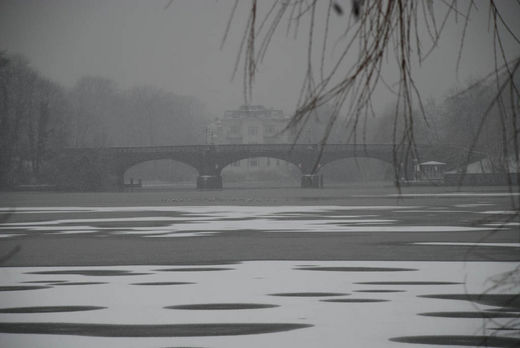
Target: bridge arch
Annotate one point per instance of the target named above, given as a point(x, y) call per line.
point(262, 170)
point(357, 154)
point(230, 161)
point(159, 171)
point(357, 169)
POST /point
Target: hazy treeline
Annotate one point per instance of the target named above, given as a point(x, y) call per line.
point(466, 119)
point(38, 118)
point(469, 118)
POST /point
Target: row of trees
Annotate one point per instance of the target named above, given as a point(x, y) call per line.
point(140, 116)
point(457, 121)
point(467, 118)
point(38, 118)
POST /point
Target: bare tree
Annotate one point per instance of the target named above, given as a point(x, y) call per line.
point(398, 34)
point(32, 122)
point(17, 88)
point(92, 99)
point(377, 33)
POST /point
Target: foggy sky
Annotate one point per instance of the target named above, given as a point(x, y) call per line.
point(177, 49)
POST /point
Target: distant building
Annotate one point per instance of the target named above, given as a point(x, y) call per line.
point(485, 172)
point(431, 170)
point(251, 124)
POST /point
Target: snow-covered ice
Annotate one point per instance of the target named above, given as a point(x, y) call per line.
point(333, 324)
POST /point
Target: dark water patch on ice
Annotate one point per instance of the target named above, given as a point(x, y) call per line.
point(45, 281)
point(409, 283)
point(469, 315)
point(379, 291)
point(355, 300)
point(309, 294)
point(206, 263)
point(163, 283)
point(90, 273)
point(23, 287)
point(498, 300)
point(504, 329)
point(194, 269)
point(232, 218)
point(356, 269)
point(50, 309)
point(471, 341)
point(79, 283)
point(165, 330)
point(222, 306)
point(505, 309)
point(131, 224)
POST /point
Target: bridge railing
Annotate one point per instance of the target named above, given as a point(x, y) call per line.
point(358, 148)
point(302, 147)
point(144, 149)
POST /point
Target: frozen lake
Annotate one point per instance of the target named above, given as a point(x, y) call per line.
point(258, 268)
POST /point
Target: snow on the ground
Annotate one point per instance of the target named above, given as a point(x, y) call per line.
point(334, 324)
point(207, 220)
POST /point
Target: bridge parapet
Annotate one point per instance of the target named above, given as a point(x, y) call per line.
point(155, 149)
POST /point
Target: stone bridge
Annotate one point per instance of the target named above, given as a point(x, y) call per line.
point(93, 169)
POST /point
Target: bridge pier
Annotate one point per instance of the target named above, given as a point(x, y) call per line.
point(209, 182)
point(312, 181)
